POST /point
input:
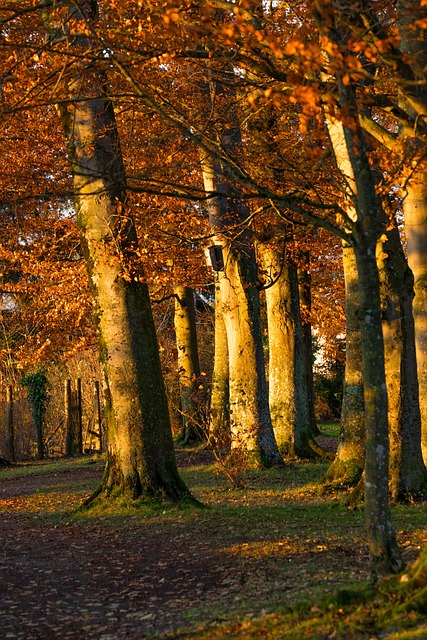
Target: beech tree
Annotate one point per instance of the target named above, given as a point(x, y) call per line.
point(284, 60)
point(140, 449)
point(287, 371)
point(188, 365)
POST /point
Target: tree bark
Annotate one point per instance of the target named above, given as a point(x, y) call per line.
point(385, 554)
point(304, 281)
point(10, 422)
point(347, 467)
point(188, 365)
point(408, 476)
point(220, 410)
point(141, 458)
point(287, 374)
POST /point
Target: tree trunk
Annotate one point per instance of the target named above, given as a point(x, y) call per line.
point(252, 436)
point(385, 554)
point(408, 476)
point(304, 281)
point(347, 468)
point(188, 365)
point(287, 373)
point(220, 411)
point(10, 422)
point(415, 213)
point(141, 458)
point(413, 98)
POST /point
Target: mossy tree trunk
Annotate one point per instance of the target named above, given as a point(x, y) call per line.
point(188, 366)
point(304, 285)
point(141, 458)
point(347, 467)
point(408, 476)
point(287, 373)
point(219, 425)
point(385, 554)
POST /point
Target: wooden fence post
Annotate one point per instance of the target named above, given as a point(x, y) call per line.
point(68, 418)
point(98, 420)
point(79, 418)
point(9, 422)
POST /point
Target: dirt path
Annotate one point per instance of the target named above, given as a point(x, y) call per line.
point(137, 578)
point(69, 581)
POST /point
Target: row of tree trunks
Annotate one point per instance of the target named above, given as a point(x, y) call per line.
point(252, 436)
point(287, 371)
point(407, 471)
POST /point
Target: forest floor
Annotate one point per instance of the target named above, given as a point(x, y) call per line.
point(280, 558)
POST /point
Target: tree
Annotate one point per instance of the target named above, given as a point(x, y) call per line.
point(287, 372)
point(188, 365)
point(252, 435)
point(219, 425)
point(140, 449)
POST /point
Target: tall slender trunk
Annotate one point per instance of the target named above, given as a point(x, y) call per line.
point(385, 554)
point(220, 411)
point(347, 467)
point(287, 374)
point(349, 461)
point(408, 476)
point(188, 364)
point(304, 281)
point(140, 450)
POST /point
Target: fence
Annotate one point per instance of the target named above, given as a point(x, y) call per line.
point(73, 424)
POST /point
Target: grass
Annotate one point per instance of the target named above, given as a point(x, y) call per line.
point(331, 429)
point(42, 467)
point(298, 564)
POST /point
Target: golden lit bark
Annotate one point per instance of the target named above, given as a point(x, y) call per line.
point(287, 376)
point(188, 364)
point(141, 458)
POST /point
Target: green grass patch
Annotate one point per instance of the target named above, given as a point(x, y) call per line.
point(331, 429)
point(42, 467)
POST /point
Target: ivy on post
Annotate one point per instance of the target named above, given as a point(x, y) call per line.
point(37, 397)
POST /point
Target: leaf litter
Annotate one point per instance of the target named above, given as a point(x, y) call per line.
point(150, 574)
